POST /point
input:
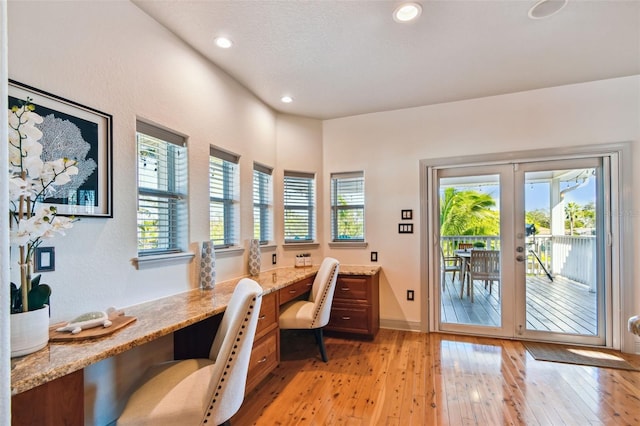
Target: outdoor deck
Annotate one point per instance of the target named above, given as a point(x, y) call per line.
point(563, 305)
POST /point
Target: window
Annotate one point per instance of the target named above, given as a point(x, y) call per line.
point(299, 207)
point(262, 203)
point(223, 197)
point(347, 206)
point(162, 191)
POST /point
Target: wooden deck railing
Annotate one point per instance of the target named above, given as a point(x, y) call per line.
point(572, 257)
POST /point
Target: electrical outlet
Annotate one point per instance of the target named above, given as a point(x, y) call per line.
point(410, 295)
point(374, 256)
point(274, 259)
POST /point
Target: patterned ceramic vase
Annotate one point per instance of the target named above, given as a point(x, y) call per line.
point(254, 257)
point(207, 266)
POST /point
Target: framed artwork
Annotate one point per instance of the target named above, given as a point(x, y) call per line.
point(78, 132)
point(45, 259)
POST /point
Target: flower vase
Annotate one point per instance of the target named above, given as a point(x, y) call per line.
point(207, 266)
point(254, 257)
point(29, 331)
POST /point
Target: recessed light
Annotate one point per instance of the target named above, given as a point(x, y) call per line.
point(546, 8)
point(286, 99)
point(407, 12)
point(223, 42)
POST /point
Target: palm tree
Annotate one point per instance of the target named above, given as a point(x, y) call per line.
point(572, 210)
point(467, 213)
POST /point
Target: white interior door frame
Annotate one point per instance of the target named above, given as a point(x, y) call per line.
point(622, 289)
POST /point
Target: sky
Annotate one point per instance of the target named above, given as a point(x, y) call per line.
point(537, 193)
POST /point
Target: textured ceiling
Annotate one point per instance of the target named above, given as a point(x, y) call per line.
point(342, 58)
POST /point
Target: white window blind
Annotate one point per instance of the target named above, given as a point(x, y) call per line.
point(299, 207)
point(347, 206)
point(162, 190)
point(223, 197)
point(262, 203)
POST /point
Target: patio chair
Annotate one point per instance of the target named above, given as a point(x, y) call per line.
point(449, 264)
point(483, 265)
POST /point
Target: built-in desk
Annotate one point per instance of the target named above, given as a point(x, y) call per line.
point(53, 376)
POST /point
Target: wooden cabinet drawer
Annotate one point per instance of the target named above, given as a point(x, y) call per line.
point(356, 306)
point(352, 288)
point(349, 319)
point(295, 290)
point(264, 358)
point(268, 317)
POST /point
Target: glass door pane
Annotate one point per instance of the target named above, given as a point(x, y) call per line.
point(469, 240)
point(563, 234)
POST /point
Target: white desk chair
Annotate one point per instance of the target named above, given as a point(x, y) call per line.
point(313, 313)
point(202, 391)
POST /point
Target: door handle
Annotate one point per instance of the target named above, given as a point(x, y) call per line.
point(520, 249)
point(520, 258)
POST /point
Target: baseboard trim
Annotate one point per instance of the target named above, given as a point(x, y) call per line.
point(400, 325)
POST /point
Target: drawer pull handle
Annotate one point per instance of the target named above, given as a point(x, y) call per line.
point(264, 359)
point(346, 318)
point(261, 317)
point(292, 291)
point(345, 289)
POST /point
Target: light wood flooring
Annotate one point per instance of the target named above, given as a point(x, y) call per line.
point(405, 378)
point(562, 306)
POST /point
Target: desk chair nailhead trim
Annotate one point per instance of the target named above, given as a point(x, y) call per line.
point(324, 296)
point(231, 359)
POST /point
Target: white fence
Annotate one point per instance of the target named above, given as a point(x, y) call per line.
point(572, 257)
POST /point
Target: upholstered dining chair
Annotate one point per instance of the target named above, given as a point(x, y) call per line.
point(314, 313)
point(202, 391)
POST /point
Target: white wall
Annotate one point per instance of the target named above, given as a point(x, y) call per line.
point(389, 145)
point(299, 149)
point(112, 57)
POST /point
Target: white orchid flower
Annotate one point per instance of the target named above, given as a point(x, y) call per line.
point(18, 187)
point(30, 178)
point(29, 230)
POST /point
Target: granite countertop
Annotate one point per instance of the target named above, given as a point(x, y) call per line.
point(155, 319)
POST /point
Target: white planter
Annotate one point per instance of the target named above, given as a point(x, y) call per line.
point(29, 331)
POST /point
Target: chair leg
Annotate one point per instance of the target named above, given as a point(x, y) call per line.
point(320, 340)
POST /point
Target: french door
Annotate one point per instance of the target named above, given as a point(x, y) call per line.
point(546, 223)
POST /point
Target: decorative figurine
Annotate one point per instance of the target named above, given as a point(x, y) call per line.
point(90, 320)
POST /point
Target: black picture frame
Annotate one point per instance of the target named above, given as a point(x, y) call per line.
point(90, 136)
point(45, 259)
point(406, 214)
